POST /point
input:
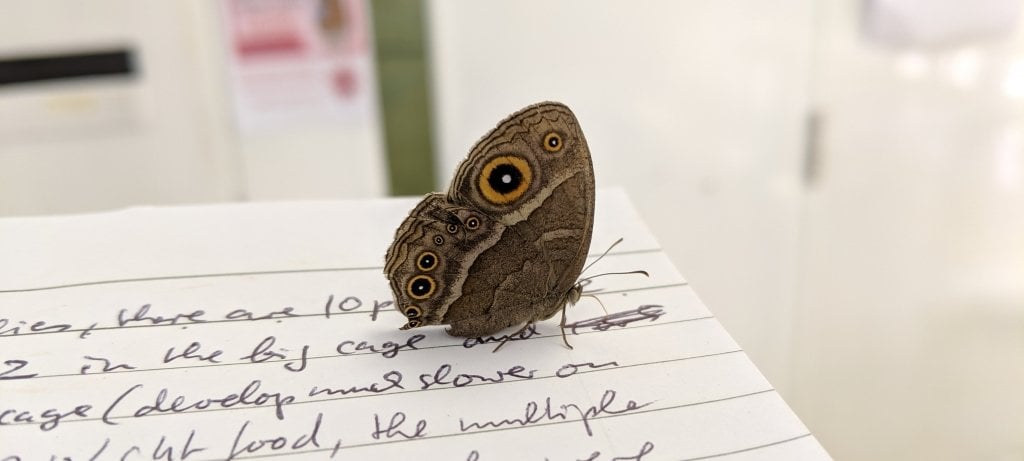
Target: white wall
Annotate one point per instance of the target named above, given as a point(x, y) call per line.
point(885, 300)
point(910, 320)
point(170, 135)
point(695, 108)
point(92, 144)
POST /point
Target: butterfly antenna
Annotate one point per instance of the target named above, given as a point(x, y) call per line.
point(592, 277)
point(602, 255)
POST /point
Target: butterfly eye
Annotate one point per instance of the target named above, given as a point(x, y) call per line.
point(438, 240)
point(420, 287)
point(452, 228)
point(426, 261)
point(472, 223)
point(413, 312)
point(552, 142)
point(504, 179)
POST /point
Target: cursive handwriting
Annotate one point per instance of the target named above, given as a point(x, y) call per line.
point(570, 369)
point(650, 312)
point(48, 419)
point(35, 327)
point(377, 306)
point(244, 314)
point(165, 450)
point(242, 445)
point(347, 304)
point(250, 396)
point(394, 428)
point(528, 333)
point(8, 369)
point(265, 351)
point(645, 450)
point(387, 349)
point(142, 316)
point(107, 365)
point(443, 376)
point(393, 380)
point(536, 412)
point(193, 352)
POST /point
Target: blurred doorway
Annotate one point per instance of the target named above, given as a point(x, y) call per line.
point(909, 323)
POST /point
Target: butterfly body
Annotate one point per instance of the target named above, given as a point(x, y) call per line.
point(505, 245)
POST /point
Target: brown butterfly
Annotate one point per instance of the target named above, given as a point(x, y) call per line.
point(505, 245)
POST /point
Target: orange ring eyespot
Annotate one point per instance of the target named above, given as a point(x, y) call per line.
point(420, 287)
point(426, 261)
point(412, 312)
point(552, 142)
point(504, 179)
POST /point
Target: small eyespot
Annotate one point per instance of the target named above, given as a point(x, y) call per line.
point(420, 287)
point(427, 261)
point(413, 312)
point(552, 142)
point(472, 223)
point(414, 323)
point(452, 228)
point(438, 240)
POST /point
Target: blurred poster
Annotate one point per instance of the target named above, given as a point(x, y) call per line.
point(298, 61)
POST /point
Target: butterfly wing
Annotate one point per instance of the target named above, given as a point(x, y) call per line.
point(428, 261)
point(533, 175)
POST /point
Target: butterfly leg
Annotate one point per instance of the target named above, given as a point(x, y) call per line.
point(562, 326)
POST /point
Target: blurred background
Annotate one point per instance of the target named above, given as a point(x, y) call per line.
point(842, 181)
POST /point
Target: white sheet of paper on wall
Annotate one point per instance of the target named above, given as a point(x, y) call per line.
point(298, 62)
point(930, 23)
point(264, 331)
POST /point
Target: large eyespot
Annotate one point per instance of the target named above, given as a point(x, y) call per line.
point(427, 261)
point(413, 312)
point(504, 179)
point(472, 223)
point(420, 287)
point(438, 240)
point(452, 228)
point(552, 142)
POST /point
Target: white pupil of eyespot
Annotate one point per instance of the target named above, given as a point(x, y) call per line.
point(506, 179)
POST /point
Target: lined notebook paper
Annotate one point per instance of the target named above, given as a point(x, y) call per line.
point(266, 331)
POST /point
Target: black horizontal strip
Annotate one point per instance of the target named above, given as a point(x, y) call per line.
point(295, 316)
point(355, 354)
point(512, 428)
point(240, 274)
point(99, 63)
point(744, 450)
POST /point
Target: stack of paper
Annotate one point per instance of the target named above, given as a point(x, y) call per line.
point(266, 331)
